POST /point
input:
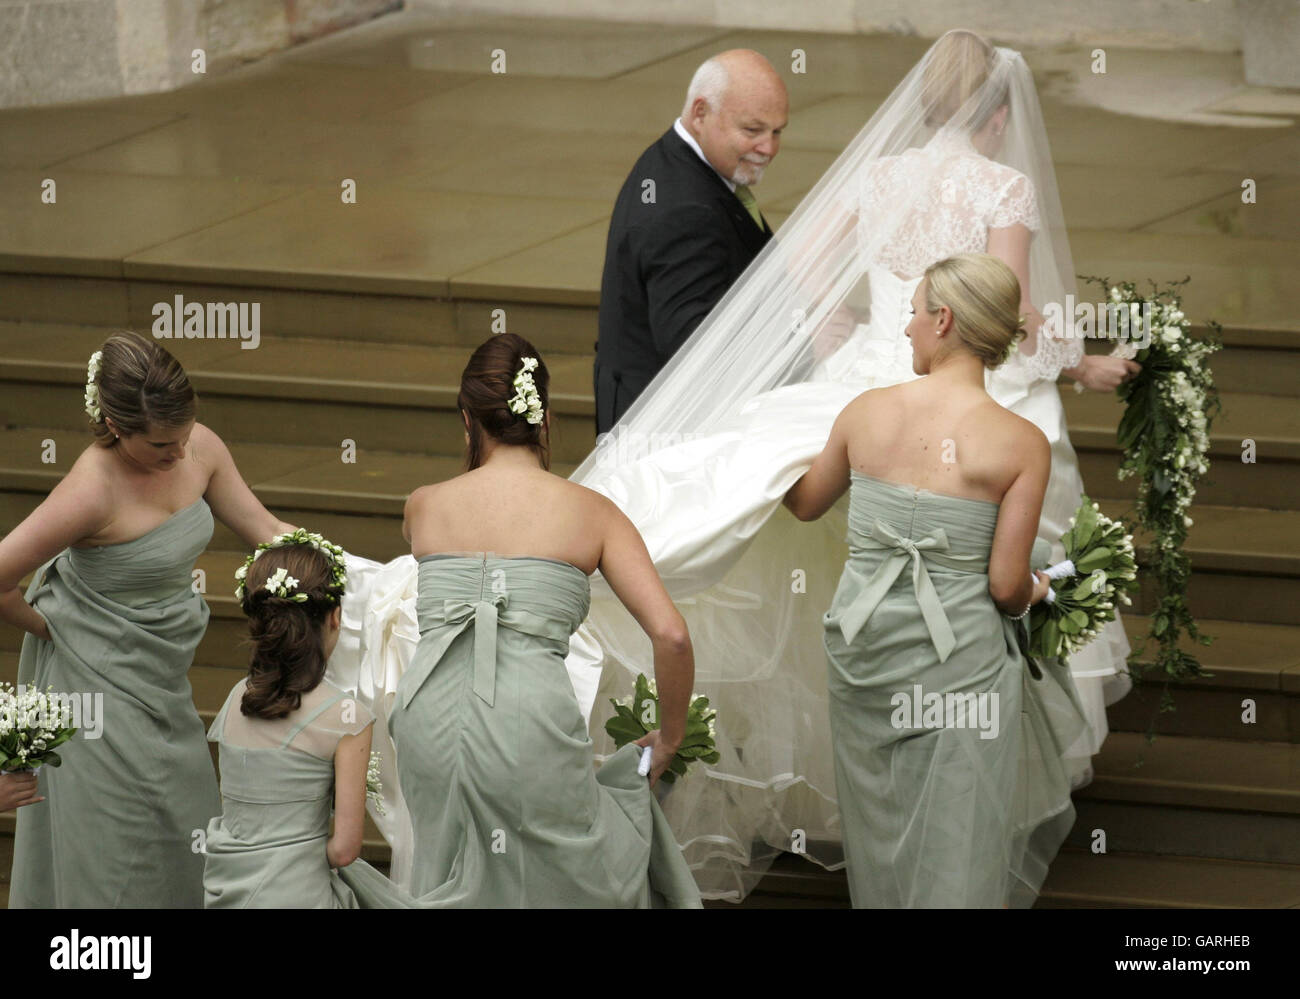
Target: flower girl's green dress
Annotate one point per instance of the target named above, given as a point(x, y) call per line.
point(122, 815)
point(267, 848)
point(941, 806)
point(495, 762)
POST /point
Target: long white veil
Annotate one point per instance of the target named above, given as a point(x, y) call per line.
point(702, 458)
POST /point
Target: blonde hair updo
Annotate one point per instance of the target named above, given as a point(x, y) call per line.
point(984, 296)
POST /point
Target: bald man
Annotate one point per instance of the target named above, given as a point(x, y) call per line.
point(685, 224)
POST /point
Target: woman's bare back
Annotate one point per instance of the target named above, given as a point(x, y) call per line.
point(509, 511)
point(948, 439)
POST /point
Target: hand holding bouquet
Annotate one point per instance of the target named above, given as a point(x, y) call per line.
point(32, 725)
point(638, 715)
point(1099, 570)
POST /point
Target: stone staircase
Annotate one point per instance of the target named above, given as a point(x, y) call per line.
point(372, 353)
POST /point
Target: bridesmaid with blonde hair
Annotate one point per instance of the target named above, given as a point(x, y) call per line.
point(113, 610)
point(945, 491)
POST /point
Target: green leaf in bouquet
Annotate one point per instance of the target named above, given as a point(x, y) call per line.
point(693, 752)
point(61, 738)
point(626, 713)
point(53, 760)
point(1094, 559)
point(712, 757)
point(624, 710)
point(646, 711)
point(1133, 423)
point(623, 731)
point(1051, 638)
point(1085, 518)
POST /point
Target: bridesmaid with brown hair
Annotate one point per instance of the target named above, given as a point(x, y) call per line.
point(113, 610)
point(493, 755)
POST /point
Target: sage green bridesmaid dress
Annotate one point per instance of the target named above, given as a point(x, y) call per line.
point(123, 815)
point(495, 762)
point(948, 740)
point(267, 848)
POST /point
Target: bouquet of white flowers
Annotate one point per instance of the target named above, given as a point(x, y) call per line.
point(638, 715)
point(1099, 570)
point(32, 725)
point(1170, 406)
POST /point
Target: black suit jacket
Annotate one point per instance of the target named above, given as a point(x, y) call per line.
point(673, 251)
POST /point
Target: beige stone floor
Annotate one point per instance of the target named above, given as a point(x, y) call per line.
point(482, 185)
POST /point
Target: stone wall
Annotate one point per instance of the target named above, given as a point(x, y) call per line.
point(54, 51)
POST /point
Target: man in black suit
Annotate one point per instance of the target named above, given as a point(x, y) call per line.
point(685, 224)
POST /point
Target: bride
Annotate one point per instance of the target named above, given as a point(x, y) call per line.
point(955, 160)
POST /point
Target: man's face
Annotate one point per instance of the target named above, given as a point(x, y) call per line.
point(742, 136)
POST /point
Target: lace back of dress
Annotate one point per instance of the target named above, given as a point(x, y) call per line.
point(326, 715)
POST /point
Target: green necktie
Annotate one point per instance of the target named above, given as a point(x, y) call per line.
point(747, 199)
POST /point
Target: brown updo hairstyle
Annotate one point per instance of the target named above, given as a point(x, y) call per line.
point(984, 297)
point(486, 387)
point(141, 385)
point(959, 64)
point(288, 654)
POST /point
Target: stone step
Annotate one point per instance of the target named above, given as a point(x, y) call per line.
point(1077, 879)
point(405, 402)
point(1192, 772)
point(1080, 879)
point(1253, 666)
point(1268, 479)
point(99, 303)
point(1164, 829)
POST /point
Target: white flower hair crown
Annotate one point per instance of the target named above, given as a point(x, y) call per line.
point(92, 385)
point(526, 400)
point(280, 583)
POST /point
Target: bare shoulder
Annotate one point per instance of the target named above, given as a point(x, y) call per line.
point(1022, 434)
point(422, 496)
point(594, 505)
point(872, 401)
point(92, 476)
point(208, 447)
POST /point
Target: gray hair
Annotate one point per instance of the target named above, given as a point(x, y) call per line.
point(710, 82)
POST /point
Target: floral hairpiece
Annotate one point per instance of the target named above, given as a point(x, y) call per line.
point(92, 386)
point(526, 399)
point(280, 583)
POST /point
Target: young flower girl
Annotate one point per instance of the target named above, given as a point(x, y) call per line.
point(291, 744)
